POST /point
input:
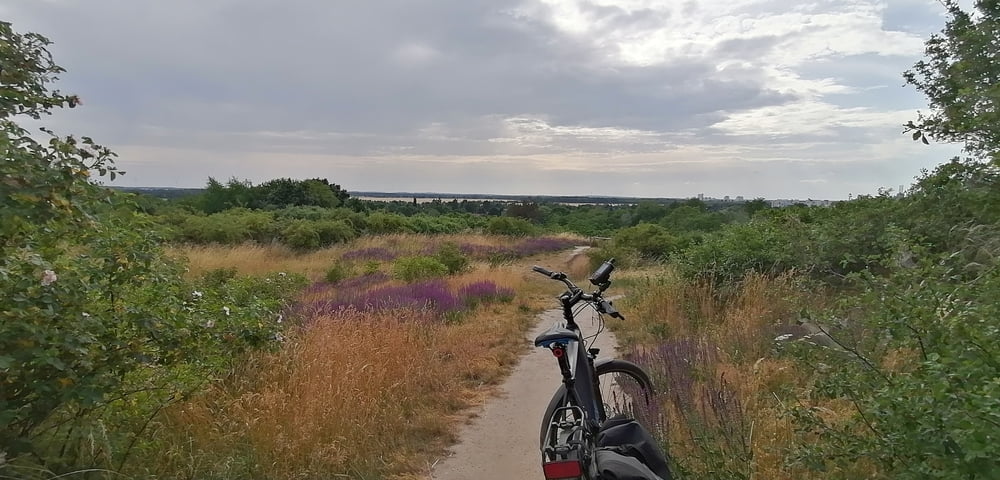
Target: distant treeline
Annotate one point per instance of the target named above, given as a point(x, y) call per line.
point(172, 193)
point(315, 212)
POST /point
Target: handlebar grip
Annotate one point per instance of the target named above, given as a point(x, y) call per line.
point(543, 271)
point(606, 307)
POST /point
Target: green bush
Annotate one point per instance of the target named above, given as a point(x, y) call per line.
point(371, 266)
point(380, 223)
point(337, 273)
point(333, 231)
point(437, 225)
point(301, 235)
point(650, 240)
point(201, 229)
point(921, 369)
point(233, 226)
point(516, 227)
point(624, 257)
point(729, 254)
point(451, 257)
point(410, 269)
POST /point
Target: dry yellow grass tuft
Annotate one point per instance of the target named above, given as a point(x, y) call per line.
point(254, 259)
point(348, 386)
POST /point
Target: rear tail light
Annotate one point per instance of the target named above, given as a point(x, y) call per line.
point(562, 470)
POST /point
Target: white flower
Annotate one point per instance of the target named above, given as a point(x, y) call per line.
point(226, 310)
point(278, 337)
point(196, 294)
point(281, 274)
point(48, 278)
point(280, 318)
point(85, 314)
point(210, 324)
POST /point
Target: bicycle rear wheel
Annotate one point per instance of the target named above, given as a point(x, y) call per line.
point(625, 388)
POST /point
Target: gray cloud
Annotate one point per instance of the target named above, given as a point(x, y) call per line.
point(463, 80)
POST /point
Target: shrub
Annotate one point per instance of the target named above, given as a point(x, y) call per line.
point(380, 223)
point(334, 231)
point(452, 258)
point(416, 268)
point(650, 240)
point(337, 272)
point(436, 225)
point(235, 225)
point(301, 235)
point(920, 368)
point(515, 227)
point(729, 254)
point(624, 257)
point(371, 267)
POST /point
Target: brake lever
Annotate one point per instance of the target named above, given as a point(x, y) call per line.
point(605, 306)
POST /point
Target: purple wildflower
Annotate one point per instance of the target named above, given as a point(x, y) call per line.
point(372, 253)
point(432, 295)
point(485, 292)
point(363, 282)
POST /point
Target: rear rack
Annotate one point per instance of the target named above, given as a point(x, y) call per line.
point(566, 437)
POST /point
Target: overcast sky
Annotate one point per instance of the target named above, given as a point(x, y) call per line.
point(772, 98)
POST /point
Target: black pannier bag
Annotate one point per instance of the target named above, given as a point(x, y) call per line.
point(629, 452)
point(615, 466)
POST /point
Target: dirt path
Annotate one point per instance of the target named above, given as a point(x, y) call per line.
point(501, 443)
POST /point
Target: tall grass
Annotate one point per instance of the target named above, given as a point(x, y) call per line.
point(257, 259)
point(361, 393)
point(353, 395)
point(710, 353)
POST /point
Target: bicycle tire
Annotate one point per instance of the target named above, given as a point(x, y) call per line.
point(607, 372)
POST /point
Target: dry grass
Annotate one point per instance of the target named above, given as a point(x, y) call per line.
point(727, 339)
point(254, 259)
point(345, 388)
point(358, 395)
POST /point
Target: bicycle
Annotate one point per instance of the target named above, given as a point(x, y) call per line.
point(578, 409)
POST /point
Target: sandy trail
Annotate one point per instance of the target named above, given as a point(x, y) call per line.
point(501, 443)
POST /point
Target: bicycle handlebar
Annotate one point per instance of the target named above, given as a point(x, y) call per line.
point(601, 278)
point(543, 271)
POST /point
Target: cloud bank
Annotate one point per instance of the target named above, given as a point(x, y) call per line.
point(627, 97)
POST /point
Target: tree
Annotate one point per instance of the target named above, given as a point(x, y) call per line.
point(961, 79)
point(526, 210)
point(649, 211)
point(99, 331)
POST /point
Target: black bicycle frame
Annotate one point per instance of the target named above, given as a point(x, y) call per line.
point(583, 389)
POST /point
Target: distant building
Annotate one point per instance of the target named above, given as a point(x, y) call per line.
point(783, 202)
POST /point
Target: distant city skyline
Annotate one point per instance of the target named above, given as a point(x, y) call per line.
point(605, 97)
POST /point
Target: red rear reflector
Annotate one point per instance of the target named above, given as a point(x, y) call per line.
point(558, 352)
point(564, 469)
